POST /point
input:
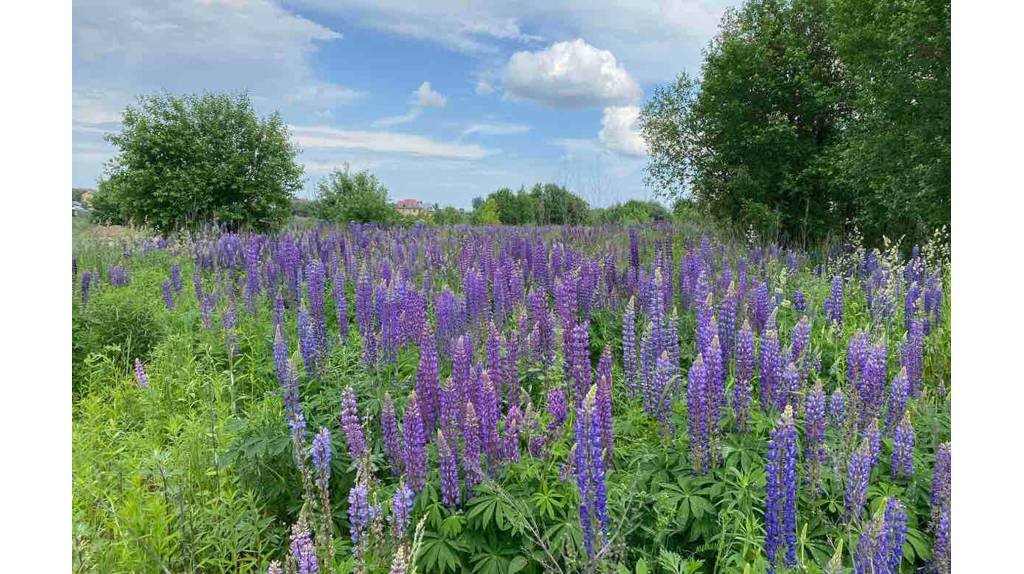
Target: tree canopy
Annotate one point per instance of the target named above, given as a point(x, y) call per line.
point(811, 116)
point(184, 161)
point(345, 197)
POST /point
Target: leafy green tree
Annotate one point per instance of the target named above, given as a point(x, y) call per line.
point(107, 205)
point(448, 216)
point(487, 214)
point(185, 161)
point(556, 205)
point(895, 153)
point(360, 197)
point(515, 208)
point(812, 115)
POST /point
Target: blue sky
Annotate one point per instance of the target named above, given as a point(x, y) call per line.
point(443, 101)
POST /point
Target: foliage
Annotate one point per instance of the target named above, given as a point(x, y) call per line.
point(631, 212)
point(183, 162)
point(812, 116)
point(360, 197)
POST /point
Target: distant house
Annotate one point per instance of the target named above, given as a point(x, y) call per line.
point(411, 207)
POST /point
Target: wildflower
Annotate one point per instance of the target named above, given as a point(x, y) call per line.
point(590, 474)
point(389, 431)
point(415, 441)
point(837, 406)
point(903, 449)
point(303, 550)
point(834, 303)
point(744, 375)
point(168, 295)
point(401, 510)
point(780, 496)
point(814, 448)
point(449, 472)
point(858, 473)
point(359, 514)
point(698, 403)
point(322, 457)
point(940, 496)
point(880, 548)
point(351, 425)
point(471, 448)
point(140, 375)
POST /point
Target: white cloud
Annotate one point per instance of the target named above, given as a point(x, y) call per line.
point(382, 141)
point(484, 87)
point(620, 132)
point(392, 121)
point(121, 49)
point(426, 97)
point(496, 129)
point(570, 75)
point(655, 40)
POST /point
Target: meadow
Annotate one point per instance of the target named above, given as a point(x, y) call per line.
point(501, 400)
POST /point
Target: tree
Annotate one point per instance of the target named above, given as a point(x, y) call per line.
point(556, 205)
point(189, 160)
point(345, 197)
point(487, 214)
point(448, 216)
point(812, 115)
point(515, 208)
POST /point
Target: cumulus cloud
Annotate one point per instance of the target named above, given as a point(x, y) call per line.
point(620, 131)
point(570, 75)
point(426, 97)
point(325, 138)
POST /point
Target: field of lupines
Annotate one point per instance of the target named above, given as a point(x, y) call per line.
point(502, 400)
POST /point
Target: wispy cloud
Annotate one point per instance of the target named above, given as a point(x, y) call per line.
point(496, 129)
point(383, 141)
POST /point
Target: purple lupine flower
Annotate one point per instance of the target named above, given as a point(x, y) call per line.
point(489, 414)
point(629, 349)
point(86, 283)
point(427, 381)
point(699, 406)
point(307, 342)
point(541, 317)
point(352, 426)
point(289, 384)
point(450, 406)
point(401, 510)
point(580, 357)
point(912, 356)
point(359, 515)
point(837, 406)
point(168, 295)
point(871, 384)
point(911, 304)
point(449, 472)
point(471, 448)
point(321, 453)
point(176, 278)
point(799, 339)
point(771, 370)
point(535, 440)
point(941, 551)
point(389, 432)
point(510, 366)
point(858, 474)
point(874, 437)
point(590, 475)
point(510, 438)
point(303, 550)
point(762, 307)
point(789, 393)
point(880, 548)
point(744, 375)
point(140, 375)
point(941, 491)
point(341, 304)
point(727, 324)
point(716, 381)
point(274, 568)
point(556, 408)
point(903, 449)
point(799, 301)
point(899, 392)
point(814, 446)
point(415, 442)
point(604, 402)
point(780, 491)
point(834, 303)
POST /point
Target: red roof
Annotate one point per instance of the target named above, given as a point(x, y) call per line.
point(410, 203)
